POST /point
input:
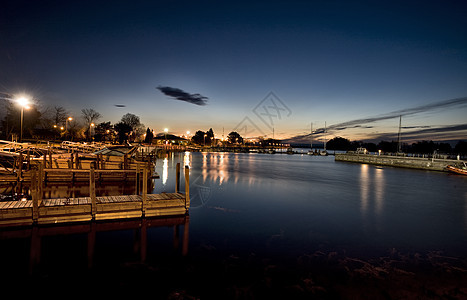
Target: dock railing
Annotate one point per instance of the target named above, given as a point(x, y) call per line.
point(62, 210)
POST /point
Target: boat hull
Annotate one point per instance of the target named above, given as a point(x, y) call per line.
point(456, 170)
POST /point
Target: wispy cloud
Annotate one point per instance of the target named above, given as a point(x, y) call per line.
point(423, 130)
point(447, 132)
point(181, 95)
point(457, 102)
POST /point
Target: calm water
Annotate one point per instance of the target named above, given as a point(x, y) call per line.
point(243, 201)
point(264, 225)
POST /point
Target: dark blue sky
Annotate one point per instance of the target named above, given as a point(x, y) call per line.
point(333, 61)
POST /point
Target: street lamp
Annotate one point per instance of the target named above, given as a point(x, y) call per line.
point(66, 124)
point(24, 103)
point(166, 130)
point(90, 128)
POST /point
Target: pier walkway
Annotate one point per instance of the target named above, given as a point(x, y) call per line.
point(25, 212)
point(431, 164)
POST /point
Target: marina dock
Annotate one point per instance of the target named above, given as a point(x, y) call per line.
point(23, 212)
point(432, 164)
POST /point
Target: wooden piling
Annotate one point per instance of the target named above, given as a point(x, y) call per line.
point(40, 182)
point(20, 167)
point(145, 190)
point(177, 179)
point(92, 190)
point(35, 201)
point(137, 178)
point(187, 187)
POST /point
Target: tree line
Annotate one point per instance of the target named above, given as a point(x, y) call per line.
point(57, 123)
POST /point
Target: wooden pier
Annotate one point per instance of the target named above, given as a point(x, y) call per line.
point(64, 210)
point(74, 166)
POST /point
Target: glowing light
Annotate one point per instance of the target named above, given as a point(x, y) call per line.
point(23, 101)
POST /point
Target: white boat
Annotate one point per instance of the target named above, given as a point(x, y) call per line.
point(324, 152)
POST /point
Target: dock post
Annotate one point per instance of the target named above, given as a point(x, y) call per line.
point(92, 190)
point(40, 183)
point(187, 187)
point(20, 167)
point(177, 179)
point(28, 159)
point(35, 202)
point(77, 160)
point(125, 165)
point(145, 189)
point(137, 178)
point(50, 157)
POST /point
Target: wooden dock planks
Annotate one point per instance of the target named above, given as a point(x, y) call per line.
point(65, 210)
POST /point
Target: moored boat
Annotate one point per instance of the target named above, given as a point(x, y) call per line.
point(462, 170)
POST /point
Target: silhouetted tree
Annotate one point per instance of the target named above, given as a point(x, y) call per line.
point(234, 137)
point(338, 143)
point(133, 121)
point(149, 136)
point(430, 147)
point(198, 138)
point(386, 146)
point(461, 147)
point(123, 130)
point(103, 131)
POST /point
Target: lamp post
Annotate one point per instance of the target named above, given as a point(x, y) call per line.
point(90, 128)
point(165, 131)
point(24, 103)
point(66, 124)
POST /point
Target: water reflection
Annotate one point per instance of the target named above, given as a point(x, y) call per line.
point(372, 183)
point(165, 170)
point(38, 248)
point(379, 190)
point(187, 159)
point(364, 188)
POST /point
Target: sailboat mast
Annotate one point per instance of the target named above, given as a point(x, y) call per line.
point(311, 136)
point(399, 135)
point(324, 135)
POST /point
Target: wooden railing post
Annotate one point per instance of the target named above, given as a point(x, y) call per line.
point(40, 183)
point(20, 167)
point(50, 157)
point(177, 179)
point(137, 178)
point(187, 187)
point(35, 201)
point(92, 190)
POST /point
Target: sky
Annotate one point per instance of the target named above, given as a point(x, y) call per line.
point(263, 68)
